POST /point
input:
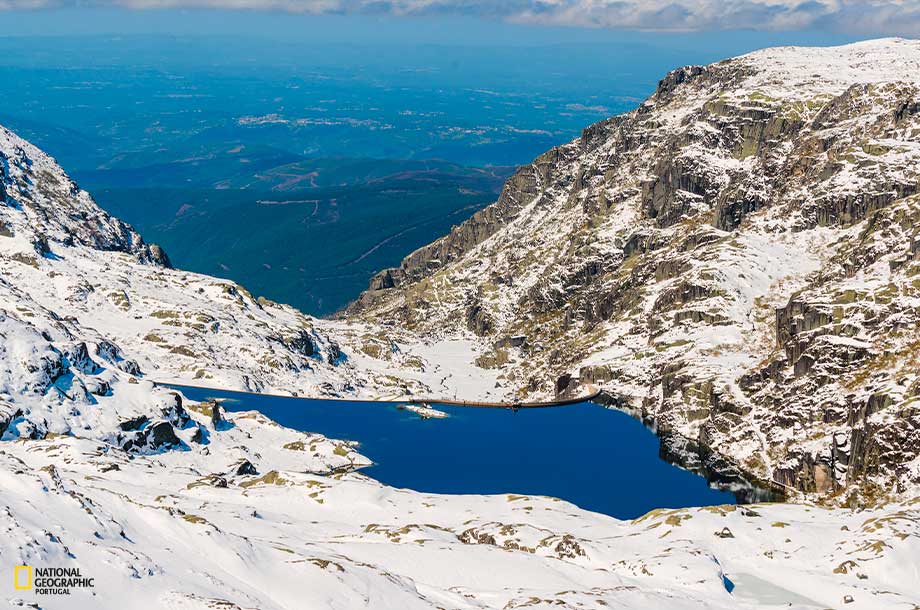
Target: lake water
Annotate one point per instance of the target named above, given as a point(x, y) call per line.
point(600, 459)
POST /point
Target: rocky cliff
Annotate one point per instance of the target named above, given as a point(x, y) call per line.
point(736, 261)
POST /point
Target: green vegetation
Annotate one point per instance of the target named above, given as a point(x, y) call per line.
point(194, 519)
point(164, 315)
point(183, 351)
point(495, 360)
point(120, 299)
point(301, 247)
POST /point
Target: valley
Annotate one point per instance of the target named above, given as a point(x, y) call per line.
point(300, 246)
point(410, 144)
point(732, 263)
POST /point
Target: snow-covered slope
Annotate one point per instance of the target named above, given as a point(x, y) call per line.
point(181, 529)
point(172, 504)
point(736, 261)
point(169, 504)
point(62, 253)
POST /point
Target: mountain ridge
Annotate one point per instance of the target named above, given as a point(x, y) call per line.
point(744, 239)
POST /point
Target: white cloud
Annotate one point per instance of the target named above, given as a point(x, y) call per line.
point(863, 16)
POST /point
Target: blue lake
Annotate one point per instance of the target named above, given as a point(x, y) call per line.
point(600, 459)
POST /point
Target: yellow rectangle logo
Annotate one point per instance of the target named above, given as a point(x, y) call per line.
point(22, 578)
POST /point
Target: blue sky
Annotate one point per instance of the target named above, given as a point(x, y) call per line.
point(861, 18)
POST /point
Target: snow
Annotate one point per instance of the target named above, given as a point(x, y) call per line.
point(426, 412)
point(798, 72)
point(153, 536)
point(240, 512)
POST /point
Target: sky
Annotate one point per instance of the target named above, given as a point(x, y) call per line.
point(862, 18)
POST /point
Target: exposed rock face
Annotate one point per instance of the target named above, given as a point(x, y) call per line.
point(158, 256)
point(217, 419)
point(152, 438)
point(7, 414)
point(736, 261)
point(57, 209)
point(301, 342)
point(246, 468)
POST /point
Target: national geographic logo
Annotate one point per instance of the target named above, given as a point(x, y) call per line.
point(22, 578)
point(50, 581)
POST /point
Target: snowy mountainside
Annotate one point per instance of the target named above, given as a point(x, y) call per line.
point(50, 206)
point(169, 503)
point(183, 529)
point(736, 261)
point(61, 252)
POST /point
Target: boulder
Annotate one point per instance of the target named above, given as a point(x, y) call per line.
point(8, 413)
point(156, 436)
point(246, 468)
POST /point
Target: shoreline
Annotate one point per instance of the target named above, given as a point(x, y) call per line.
point(402, 400)
point(718, 469)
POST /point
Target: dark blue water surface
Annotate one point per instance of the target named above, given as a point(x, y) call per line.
point(600, 459)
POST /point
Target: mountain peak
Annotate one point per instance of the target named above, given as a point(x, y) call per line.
point(42, 205)
point(796, 72)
